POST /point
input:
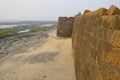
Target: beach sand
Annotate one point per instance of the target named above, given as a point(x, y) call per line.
point(51, 61)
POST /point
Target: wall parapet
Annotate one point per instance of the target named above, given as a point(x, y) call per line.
point(65, 26)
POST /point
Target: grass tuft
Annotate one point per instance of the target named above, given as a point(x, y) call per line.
point(5, 33)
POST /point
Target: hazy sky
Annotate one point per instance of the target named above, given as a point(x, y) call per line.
point(48, 9)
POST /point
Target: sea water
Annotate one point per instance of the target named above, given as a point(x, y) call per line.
point(7, 26)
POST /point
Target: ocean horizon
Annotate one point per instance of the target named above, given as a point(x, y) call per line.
point(7, 25)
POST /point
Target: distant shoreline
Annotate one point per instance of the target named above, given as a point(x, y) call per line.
point(26, 22)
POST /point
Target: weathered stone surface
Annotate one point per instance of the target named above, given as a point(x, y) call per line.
point(112, 22)
point(113, 10)
point(96, 46)
point(65, 26)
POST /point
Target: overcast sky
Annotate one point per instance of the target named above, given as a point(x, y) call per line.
point(48, 9)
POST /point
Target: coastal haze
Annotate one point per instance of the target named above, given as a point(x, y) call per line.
point(50, 10)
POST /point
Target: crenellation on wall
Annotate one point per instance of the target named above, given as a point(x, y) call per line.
point(113, 10)
point(86, 11)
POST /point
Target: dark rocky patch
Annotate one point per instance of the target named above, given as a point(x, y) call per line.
point(43, 57)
